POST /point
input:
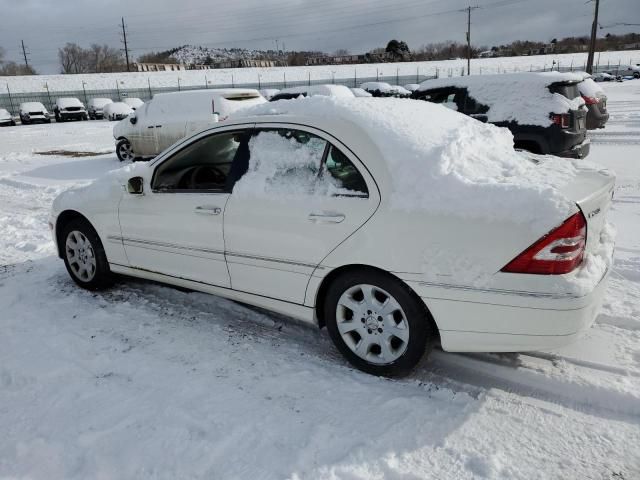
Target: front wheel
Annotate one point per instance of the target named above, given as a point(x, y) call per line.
point(84, 255)
point(377, 322)
point(124, 150)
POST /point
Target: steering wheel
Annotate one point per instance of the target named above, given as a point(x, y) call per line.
point(206, 175)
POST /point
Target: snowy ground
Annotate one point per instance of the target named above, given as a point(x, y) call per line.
point(145, 381)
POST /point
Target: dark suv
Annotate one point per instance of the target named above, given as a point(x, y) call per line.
point(525, 103)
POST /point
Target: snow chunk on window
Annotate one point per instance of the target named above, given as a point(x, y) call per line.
point(282, 165)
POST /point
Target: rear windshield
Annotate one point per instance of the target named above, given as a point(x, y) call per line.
point(569, 90)
point(240, 98)
point(287, 96)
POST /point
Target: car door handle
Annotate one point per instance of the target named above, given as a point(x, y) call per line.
point(208, 210)
point(326, 217)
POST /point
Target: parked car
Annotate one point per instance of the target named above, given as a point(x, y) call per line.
point(327, 212)
point(169, 117)
point(96, 107)
point(596, 101)
point(359, 92)
point(383, 89)
point(33, 112)
point(625, 71)
point(412, 86)
point(268, 93)
point(606, 77)
point(544, 111)
point(6, 119)
point(312, 90)
point(117, 111)
point(134, 102)
point(69, 108)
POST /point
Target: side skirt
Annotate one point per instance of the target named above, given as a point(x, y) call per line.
point(299, 312)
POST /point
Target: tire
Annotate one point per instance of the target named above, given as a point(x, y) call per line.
point(87, 263)
point(636, 75)
point(124, 151)
point(363, 326)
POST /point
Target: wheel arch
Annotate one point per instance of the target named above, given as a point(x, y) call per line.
point(63, 219)
point(322, 290)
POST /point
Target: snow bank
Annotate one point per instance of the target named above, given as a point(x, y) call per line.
point(446, 163)
point(520, 97)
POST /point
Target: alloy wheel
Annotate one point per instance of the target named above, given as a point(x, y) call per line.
point(80, 256)
point(372, 324)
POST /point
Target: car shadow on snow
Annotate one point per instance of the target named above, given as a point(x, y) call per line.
point(88, 168)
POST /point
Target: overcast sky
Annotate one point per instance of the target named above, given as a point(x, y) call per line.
point(358, 25)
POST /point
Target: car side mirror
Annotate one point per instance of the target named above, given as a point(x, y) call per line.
point(133, 120)
point(135, 186)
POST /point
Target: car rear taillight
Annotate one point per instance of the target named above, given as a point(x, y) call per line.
point(560, 119)
point(559, 251)
point(590, 100)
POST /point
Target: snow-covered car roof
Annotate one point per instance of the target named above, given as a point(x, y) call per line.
point(32, 107)
point(327, 90)
point(589, 88)
point(400, 90)
point(133, 102)
point(65, 102)
point(521, 97)
point(118, 108)
point(431, 158)
point(384, 87)
point(360, 92)
point(211, 93)
point(99, 102)
point(412, 86)
point(269, 92)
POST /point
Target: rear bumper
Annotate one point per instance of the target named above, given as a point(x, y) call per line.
point(476, 320)
point(577, 151)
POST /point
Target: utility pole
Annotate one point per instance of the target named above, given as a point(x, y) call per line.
point(592, 43)
point(468, 10)
point(126, 48)
point(24, 53)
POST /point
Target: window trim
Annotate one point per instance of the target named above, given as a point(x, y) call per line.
point(182, 146)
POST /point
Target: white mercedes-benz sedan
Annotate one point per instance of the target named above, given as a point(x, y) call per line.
point(394, 223)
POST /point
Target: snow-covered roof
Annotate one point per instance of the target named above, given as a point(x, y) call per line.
point(360, 92)
point(327, 90)
point(32, 107)
point(436, 159)
point(117, 108)
point(412, 86)
point(99, 102)
point(133, 102)
point(521, 97)
point(66, 102)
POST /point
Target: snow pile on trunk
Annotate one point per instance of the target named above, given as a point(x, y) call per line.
point(447, 163)
point(524, 98)
point(589, 88)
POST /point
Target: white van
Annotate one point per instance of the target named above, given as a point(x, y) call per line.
point(169, 117)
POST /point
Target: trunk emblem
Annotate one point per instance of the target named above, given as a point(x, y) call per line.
point(593, 213)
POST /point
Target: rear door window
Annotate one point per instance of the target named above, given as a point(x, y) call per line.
point(569, 90)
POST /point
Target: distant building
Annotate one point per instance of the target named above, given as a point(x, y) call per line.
point(487, 54)
point(159, 67)
point(371, 57)
point(631, 46)
point(249, 63)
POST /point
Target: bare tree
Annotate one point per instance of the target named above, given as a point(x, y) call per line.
point(9, 69)
point(96, 59)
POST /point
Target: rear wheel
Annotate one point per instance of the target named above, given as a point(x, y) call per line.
point(84, 255)
point(124, 150)
point(377, 323)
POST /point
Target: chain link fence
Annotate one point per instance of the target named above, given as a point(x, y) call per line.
point(11, 101)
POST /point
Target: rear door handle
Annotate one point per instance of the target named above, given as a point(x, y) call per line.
point(208, 210)
point(326, 217)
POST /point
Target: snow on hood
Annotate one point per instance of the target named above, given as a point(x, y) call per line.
point(32, 107)
point(68, 102)
point(4, 114)
point(520, 97)
point(447, 163)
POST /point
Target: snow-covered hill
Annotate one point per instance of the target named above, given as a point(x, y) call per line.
point(190, 54)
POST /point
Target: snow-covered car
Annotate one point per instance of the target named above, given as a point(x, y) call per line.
point(359, 92)
point(6, 119)
point(268, 93)
point(411, 86)
point(544, 110)
point(605, 77)
point(596, 101)
point(169, 117)
point(327, 90)
point(69, 108)
point(134, 102)
point(343, 213)
point(117, 111)
point(383, 89)
point(33, 112)
point(96, 106)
